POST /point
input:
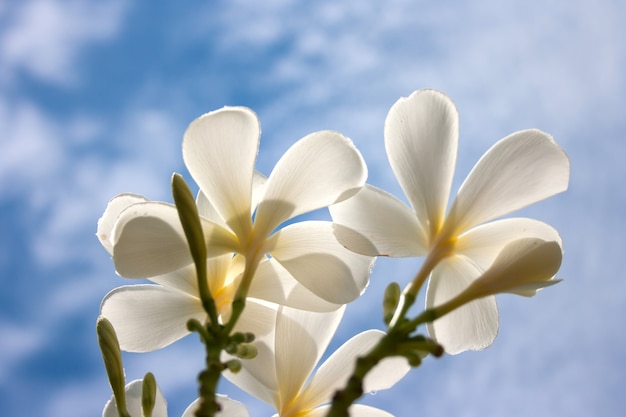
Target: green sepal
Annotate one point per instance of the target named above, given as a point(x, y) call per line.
point(112, 357)
point(148, 394)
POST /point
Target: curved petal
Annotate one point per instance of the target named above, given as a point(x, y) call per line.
point(230, 408)
point(473, 326)
point(219, 149)
point(258, 375)
point(301, 339)
point(275, 284)
point(335, 371)
point(148, 240)
point(133, 401)
point(183, 279)
point(375, 223)
point(321, 169)
point(421, 139)
point(312, 255)
point(483, 243)
point(356, 410)
point(519, 170)
point(149, 317)
point(111, 213)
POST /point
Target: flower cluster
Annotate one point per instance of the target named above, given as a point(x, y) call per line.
point(266, 291)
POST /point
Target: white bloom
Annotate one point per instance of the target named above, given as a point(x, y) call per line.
point(282, 373)
point(421, 137)
point(230, 408)
point(307, 268)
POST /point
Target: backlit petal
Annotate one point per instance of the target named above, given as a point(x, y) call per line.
point(111, 213)
point(318, 170)
point(148, 240)
point(519, 170)
point(335, 371)
point(421, 139)
point(301, 339)
point(149, 317)
point(312, 255)
point(483, 243)
point(355, 410)
point(219, 149)
point(133, 401)
point(375, 223)
point(473, 326)
point(275, 284)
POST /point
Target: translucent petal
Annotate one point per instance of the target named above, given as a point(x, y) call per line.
point(375, 223)
point(473, 326)
point(149, 317)
point(421, 139)
point(301, 339)
point(183, 279)
point(133, 402)
point(258, 376)
point(356, 410)
point(111, 213)
point(219, 149)
point(483, 243)
point(230, 408)
point(275, 284)
point(312, 255)
point(335, 371)
point(521, 169)
point(318, 170)
point(148, 240)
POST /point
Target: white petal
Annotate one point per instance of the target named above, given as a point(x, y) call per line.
point(219, 149)
point(148, 240)
point(333, 374)
point(519, 170)
point(183, 279)
point(230, 408)
point(301, 339)
point(275, 284)
point(355, 410)
point(111, 213)
point(258, 376)
point(483, 243)
point(473, 326)
point(318, 170)
point(421, 139)
point(312, 255)
point(375, 223)
point(149, 317)
point(133, 402)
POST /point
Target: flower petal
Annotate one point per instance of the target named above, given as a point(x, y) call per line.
point(375, 223)
point(301, 339)
point(219, 149)
point(111, 213)
point(312, 255)
point(421, 139)
point(275, 284)
point(149, 317)
point(521, 169)
point(230, 408)
point(134, 391)
point(258, 375)
point(473, 326)
point(321, 169)
point(335, 371)
point(483, 243)
point(357, 410)
point(148, 240)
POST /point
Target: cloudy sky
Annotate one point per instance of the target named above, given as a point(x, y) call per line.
point(95, 96)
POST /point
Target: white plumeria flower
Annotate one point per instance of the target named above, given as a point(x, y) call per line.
point(230, 408)
point(307, 268)
point(282, 372)
point(421, 138)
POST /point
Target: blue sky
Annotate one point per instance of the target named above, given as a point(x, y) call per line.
point(95, 96)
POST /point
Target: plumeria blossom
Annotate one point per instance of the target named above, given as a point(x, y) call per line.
point(306, 267)
point(282, 372)
point(230, 407)
point(421, 139)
